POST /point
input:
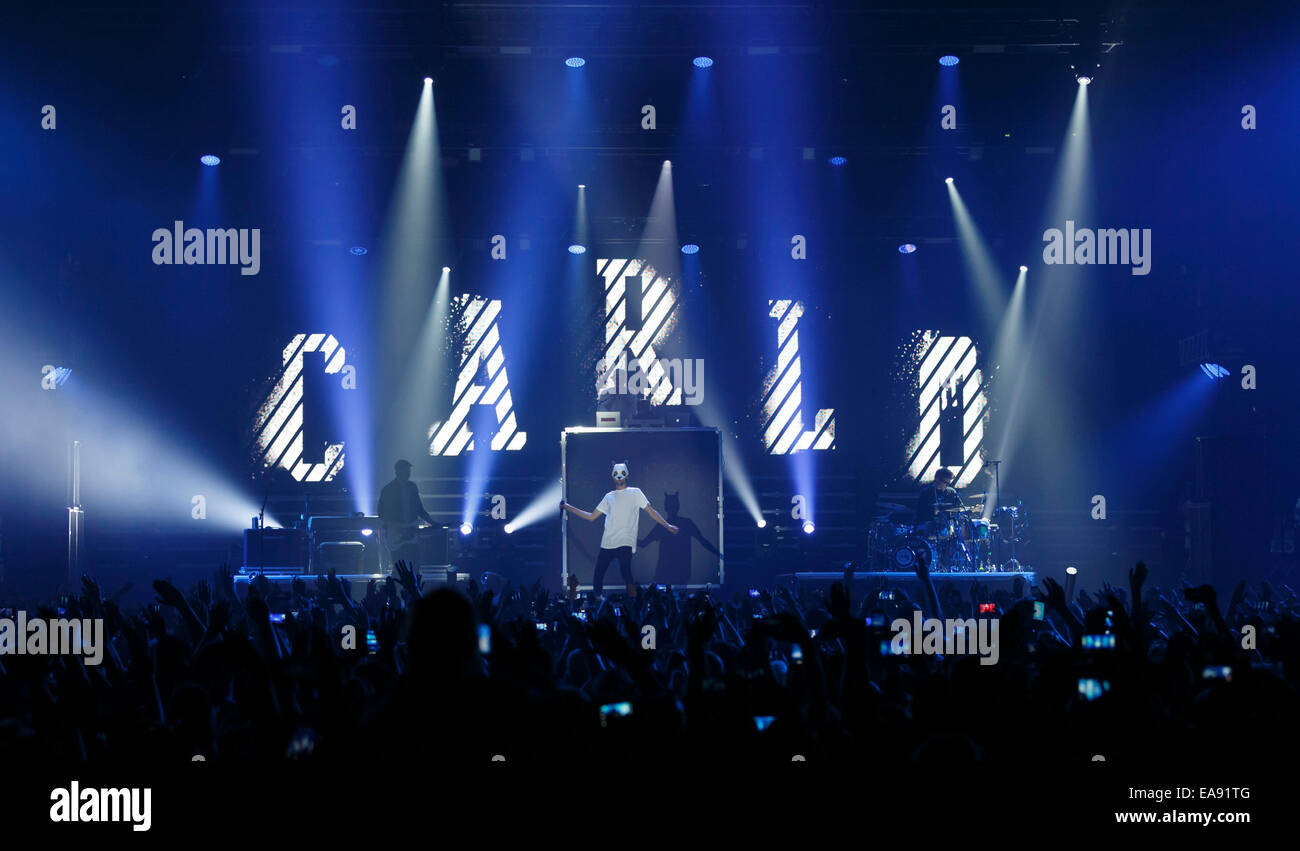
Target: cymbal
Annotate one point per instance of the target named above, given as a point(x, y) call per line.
point(973, 496)
point(892, 506)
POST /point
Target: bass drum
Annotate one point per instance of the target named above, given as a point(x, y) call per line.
point(904, 553)
point(940, 528)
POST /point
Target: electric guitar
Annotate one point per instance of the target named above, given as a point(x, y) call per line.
point(397, 535)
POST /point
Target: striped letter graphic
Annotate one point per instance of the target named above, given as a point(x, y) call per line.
point(658, 310)
point(478, 317)
point(947, 375)
point(277, 426)
point(783, 432)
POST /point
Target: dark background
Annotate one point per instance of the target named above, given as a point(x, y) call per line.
point(181, 352)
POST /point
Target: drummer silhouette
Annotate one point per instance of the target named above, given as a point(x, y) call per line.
point(939, 494)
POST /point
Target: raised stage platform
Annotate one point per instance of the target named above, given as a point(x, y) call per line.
point(282, 580)
point(993, 577)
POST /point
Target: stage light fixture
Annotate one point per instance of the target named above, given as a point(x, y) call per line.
point(358, 250)
point(948, 180)
point(367, 532)
point(428, 81)
point(1214, 371)
point(690, 248)
point(446, 269)
point(907, 248)
point(465, 528)
point(210, 159)
point(1024, 268)
point(575, 62)
point(808, 527)
point(702, 62)
point(1072, 570)
point(1082, 77)
point(510, 529)
point(837, 161)
point(762, 524)
point(948, 61)
point(577, 249)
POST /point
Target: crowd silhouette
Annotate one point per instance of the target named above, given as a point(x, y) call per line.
point(497, 670)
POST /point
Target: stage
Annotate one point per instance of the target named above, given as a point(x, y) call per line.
point(998, 578)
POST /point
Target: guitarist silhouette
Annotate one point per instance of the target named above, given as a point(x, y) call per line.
point(401, 510)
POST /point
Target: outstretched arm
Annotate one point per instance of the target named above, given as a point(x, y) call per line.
point(654, 515)
point(927, 586)
point(573, 509)
point(694, 531)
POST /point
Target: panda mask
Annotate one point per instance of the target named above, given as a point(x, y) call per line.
point(619, 473)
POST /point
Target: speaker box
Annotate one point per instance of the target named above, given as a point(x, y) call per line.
point(275, 549)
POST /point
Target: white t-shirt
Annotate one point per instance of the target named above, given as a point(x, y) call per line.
point(622, 510)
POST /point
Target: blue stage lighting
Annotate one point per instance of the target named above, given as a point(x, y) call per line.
point(1024, 268)
point(358, 250)
point(577, 249)
point(210, 159)
point(1084, 80)
point(690, 248)
point(907, 248)
point(702, 62)
point(948, 61)
point(1214, 370)
point(465, 528)
point(575, 62)
point(808, 527)
point(837, 161)
point(762, 524)
point(510, 529)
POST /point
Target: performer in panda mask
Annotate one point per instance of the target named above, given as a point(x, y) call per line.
point(622, 510)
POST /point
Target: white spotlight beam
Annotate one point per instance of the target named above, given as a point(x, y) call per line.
point(545, 506)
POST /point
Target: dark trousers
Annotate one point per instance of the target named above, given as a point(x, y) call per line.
point(624, 557)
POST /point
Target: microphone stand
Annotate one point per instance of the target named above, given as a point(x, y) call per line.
point(997, 503)
point(261, 525)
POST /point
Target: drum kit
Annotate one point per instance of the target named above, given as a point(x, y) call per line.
point(958, 540)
